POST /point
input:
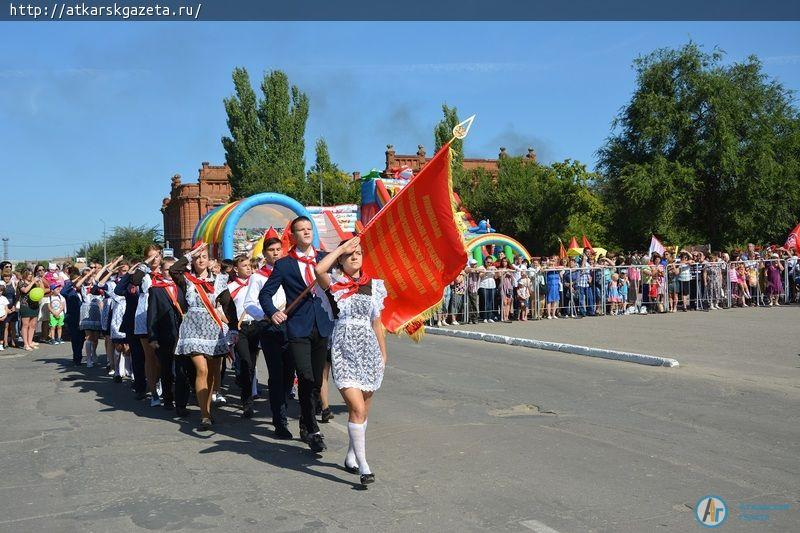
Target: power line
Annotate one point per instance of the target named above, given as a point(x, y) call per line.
point(46, 245)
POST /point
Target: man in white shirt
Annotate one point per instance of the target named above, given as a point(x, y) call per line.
point(274, 342)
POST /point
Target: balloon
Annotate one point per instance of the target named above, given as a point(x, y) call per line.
point(36, 294)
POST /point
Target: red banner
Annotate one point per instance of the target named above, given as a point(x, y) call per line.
point(793, 240)
point(414, 245)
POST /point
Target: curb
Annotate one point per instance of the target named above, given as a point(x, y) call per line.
point(629, 357)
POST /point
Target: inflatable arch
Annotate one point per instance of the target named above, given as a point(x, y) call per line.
point(231, 228)
point(510, 246)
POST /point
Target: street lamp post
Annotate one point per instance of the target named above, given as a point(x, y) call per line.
point(105, 259)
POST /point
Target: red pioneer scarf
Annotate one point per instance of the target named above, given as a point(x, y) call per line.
point(266, 270)
point(308, 261)
point(171, 289)
point(350, 285)
point(239, 286)
point(204, 287)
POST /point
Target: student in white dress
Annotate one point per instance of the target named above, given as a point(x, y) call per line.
point(358, 345)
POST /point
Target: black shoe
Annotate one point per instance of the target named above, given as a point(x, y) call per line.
point(168, 405)
point(205, 425)
point(247, 412)
point(318, 409)
point(117, 379)
point(303, 434)
point(182, 411)
point(351, 469)
point(283, 433)
point(326, 415)
point(366, 479)
point(140, 396)
point(317, 443)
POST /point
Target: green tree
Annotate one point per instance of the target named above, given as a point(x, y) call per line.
point(265, 149)
point(536, 203)
point(443, 132)
point(703, 152)
point(337, 186)
point(129, 241)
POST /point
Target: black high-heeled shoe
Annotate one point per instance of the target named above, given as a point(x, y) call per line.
point(366, 479)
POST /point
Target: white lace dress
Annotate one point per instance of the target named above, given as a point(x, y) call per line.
point(199, 333)
point(356, 359)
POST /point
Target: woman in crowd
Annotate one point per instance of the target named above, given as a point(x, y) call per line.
point(713, 281)
point(553, 286)
point(358, 346)
point(28, 307)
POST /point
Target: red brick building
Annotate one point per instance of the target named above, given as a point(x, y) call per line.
point(417, 161)
point(187, 203)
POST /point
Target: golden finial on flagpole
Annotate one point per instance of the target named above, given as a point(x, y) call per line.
point(461, 129)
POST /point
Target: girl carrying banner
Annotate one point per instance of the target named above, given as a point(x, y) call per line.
point(358, 346)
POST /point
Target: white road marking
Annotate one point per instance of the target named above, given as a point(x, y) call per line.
point(538, 527)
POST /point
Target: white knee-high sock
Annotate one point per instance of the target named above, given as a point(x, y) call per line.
point(357, 434)
point(87, 350)
point(350, 461)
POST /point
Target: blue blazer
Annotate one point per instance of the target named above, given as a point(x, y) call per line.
point(308, 313)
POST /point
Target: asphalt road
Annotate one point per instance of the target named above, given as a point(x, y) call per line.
point(464, 436)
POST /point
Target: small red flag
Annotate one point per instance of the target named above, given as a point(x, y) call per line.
point(586, 244)
point(793, 240)
point(573, 244)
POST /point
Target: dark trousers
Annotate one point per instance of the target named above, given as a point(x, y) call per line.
point(587, 301)
point(281, 371)
point(137, 362)
point(247, 356)
point(309, 355)
point(184, 375)
point(166, 357)
point(474, 309)
point(76, 338)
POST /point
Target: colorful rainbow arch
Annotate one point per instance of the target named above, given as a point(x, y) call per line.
point(216, 228)
point(510, 246)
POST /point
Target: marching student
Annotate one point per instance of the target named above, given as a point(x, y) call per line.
point(164, 315)
point(308, 325)
point(358, 345)
point(203, 336)
point(249, 331)
point(274, 343)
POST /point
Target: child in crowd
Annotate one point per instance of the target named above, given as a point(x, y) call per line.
point(523, 295)
point(623, 291)
point(613, 294)
point(57, 308)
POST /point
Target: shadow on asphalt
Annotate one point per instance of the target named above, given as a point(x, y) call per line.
point(242, 436)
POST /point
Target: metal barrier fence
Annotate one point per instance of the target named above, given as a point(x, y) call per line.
point(539, 293)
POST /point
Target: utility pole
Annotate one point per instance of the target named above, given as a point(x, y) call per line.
point(5, 248)
point(105, 259)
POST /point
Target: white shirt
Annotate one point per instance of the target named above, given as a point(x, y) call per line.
point(240, 287)
point(251, 304)
point(487, 279)
point(302, 266)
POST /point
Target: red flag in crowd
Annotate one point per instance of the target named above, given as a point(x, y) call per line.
point(287, 241)
point(586, 244)
point(573, 244)
point(794, 239)
point(414, 245)
point(562, 253)
point(270, 233)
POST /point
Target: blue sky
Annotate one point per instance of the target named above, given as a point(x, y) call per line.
point(96, 118)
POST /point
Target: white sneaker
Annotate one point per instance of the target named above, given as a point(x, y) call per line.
point(111, 372)
point(2, 347)
point(485, 321)
point(492, 321)
point(454, 323)
point(220, 400)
